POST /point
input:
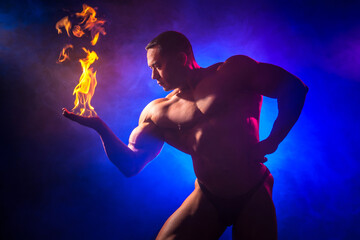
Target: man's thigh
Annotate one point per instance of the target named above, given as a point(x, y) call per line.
point(196, 218)
point(258, 218)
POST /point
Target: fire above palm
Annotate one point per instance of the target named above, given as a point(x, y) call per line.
point(85, 89)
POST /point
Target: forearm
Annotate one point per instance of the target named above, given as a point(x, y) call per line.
point(117, 151)
point(128, 160)
point(290, 106)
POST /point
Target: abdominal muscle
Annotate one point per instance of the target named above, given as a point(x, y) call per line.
point(220, 155)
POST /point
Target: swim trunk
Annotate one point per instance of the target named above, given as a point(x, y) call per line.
point(229, 209)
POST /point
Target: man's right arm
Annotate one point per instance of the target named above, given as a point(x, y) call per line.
point(144, 143)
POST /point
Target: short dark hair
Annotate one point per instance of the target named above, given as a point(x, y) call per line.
point(171, 42)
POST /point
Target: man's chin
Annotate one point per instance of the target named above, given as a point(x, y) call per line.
point(166, 89)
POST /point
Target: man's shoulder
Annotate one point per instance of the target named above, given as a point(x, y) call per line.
point(239, 57)
point(237, 62)
point(231, 75)
point(237, 67)
point(147, 112)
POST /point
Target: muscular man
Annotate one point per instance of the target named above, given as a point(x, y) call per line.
point(212, 114)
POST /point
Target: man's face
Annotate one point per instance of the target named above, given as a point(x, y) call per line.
point(165, 69)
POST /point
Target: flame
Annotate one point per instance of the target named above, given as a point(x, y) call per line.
point(94, 41)
point(63, 54)
point(84, 91)
point(88, 12)
point(91, 23)
point(64, 22)
point(77, 31)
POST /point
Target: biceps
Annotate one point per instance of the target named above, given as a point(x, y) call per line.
point(145, 141)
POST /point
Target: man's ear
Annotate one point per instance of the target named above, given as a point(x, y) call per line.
point(182, 58)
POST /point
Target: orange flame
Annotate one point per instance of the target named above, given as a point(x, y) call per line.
point(63, 54)
point(91, 23)
point(77, 31)
point(84, 91)
point(64, 22)
point(94, 41)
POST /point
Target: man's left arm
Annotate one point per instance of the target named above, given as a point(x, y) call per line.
point(274, 82)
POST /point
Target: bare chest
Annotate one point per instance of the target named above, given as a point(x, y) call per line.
point(194, 126)
point(176, 113)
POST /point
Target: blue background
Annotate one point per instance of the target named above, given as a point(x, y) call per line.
point(56, 182)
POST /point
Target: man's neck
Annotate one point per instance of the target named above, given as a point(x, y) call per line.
point(194, 65)
point(195, 77)
point(191, 77)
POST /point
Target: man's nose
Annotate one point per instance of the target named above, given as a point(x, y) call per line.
point(155, 74)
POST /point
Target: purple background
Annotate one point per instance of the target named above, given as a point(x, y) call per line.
point(56, 181)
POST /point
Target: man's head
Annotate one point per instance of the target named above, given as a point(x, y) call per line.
point(170, 43)
point(170, 57)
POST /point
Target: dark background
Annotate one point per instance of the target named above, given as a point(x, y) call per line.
point(56, 182)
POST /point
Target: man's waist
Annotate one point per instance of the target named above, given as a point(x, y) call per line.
point(231, 180)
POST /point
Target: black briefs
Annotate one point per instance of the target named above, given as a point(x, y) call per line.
point(229, 209)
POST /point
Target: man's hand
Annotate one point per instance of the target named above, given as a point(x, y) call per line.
point(92, 122)
point(261, 149)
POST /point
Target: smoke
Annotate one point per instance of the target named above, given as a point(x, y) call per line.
point(57, 181)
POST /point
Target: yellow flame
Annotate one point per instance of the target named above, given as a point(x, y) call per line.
point(77, 31)
point(64, 22)
point(91, 23)
point(88, 12)
point(84, 91)
point(63, 54)
point(94, 41)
